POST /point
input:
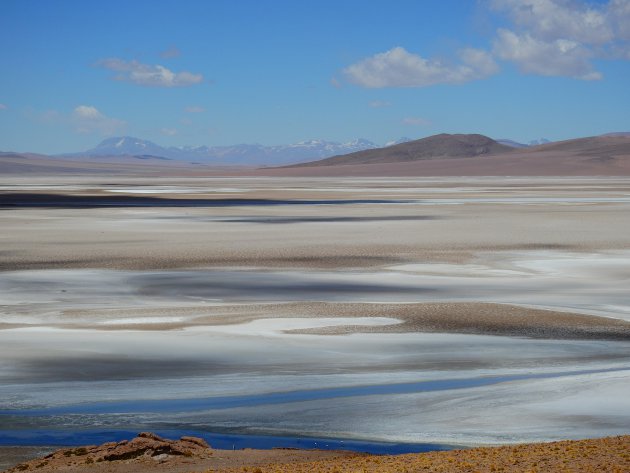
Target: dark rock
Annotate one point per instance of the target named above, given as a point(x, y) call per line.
point(150, 435)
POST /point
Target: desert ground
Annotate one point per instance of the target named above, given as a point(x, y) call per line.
point(319, 312)
point(148, 452)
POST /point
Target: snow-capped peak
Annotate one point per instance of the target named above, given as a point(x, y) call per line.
point(254, 154)
point(404, 139)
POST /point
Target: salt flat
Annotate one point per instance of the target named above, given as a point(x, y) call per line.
point(413, 310)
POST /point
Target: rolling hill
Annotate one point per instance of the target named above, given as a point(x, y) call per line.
point(476, 155)
point(433, 147)
point(439, 155)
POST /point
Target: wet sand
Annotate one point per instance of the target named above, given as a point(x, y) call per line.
point(446, 222)
point(452, 317)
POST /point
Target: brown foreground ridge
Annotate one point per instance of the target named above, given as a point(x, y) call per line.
point(145, 446)
point(148, 452)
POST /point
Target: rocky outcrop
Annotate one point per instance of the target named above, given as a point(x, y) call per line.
point(145, 445)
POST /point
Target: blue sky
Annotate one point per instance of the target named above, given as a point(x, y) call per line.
point(275, 72)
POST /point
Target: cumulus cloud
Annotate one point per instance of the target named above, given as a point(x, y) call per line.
point(563, 37)
point(559, 57)
point(619, 17)
point(553, 19)
point(194, 109)
point(400, 68)
point(416, 121)
point(545, 37)
point(149, 75)
point(87, 119)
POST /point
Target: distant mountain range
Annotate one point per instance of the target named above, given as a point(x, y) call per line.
point(438, 155)
point(516, 144)
point(243, 154)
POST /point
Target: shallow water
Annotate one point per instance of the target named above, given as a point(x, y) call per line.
point(195, 404)
point(380, 387)
point(216, 440)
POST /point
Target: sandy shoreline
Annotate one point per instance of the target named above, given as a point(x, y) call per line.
point(442, 317)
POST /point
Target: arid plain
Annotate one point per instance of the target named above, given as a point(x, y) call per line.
point(441, 311)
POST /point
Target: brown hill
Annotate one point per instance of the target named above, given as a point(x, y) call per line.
point(605, 146)
point(593, 156)
point(433, 147)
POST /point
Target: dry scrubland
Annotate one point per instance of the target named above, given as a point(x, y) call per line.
point(607, 455)
point(584, 456)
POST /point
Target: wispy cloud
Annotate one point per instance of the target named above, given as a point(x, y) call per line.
point(400, 68)
point(87, 119)
point(194, 109)
point(149, 75)
point(171, 52)
point(50, 117)
point(168, 131)
point(415, 121)
point(379, 104)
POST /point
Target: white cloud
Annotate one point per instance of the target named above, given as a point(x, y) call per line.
point(560, 57)
point(168, 131)
point(87, 112)
point(149, 75)
point(553, 19)
point(87, 119)
point(379, 104)
point(3, 106)
point(545, 37)
point(400, 68)
point(563, 37)
point(194, 109)
point(416, 121)
point(619, 17)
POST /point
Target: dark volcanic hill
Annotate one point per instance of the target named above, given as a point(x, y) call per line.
point(433, 147)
